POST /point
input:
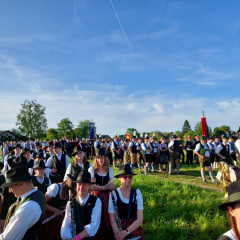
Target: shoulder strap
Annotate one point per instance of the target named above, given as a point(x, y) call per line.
point(224, 237)
point(130, 205)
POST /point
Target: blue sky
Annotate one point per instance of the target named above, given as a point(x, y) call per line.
point(179, 58)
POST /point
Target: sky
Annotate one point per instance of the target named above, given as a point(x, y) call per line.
point(144, 64)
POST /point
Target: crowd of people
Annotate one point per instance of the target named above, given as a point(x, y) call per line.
point(77, 199)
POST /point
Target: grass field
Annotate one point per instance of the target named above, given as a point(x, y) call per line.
point(176, 209)
point(180, 206)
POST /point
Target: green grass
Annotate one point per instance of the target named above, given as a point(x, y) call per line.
point(180, 211)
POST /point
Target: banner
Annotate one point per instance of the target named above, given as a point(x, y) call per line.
point(92, 130)
point(127, 136)
point(204, 126)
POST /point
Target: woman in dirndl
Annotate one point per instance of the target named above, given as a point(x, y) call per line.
point(57, 196)
point(102, 175)
point(129, 205)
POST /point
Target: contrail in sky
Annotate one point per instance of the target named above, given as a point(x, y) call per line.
point(129, 45)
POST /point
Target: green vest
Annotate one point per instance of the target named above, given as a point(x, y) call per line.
point(202, 150)
point(38, 197)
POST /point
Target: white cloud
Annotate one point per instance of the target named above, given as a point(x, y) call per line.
point(208, 84)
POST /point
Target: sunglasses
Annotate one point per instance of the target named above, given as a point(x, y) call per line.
point(127, 176)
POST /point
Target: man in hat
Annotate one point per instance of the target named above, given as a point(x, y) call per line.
point(27, 218)
point(87, 211)
point(216, 143)
point(174, 147)
point(233, 151)
point(146, 147)
point(8, 161)
point(212, 151)
point(58, 163)
point(116, 148)
point(189, 150)
point(37, 149)
point(50, 151)
point(133, 152)
point(203, 152)
point(224, 151)
point(154, 153)
point(233, 207)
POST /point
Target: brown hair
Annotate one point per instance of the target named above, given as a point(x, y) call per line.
point(70, 185)
point(75, 161)
point(234, 227)
point(106, 164)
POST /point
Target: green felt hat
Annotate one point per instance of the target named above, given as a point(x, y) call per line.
point(83, 177)
point(16, 175)
point(39, 164)
point(233, 195)
point(125, 170)
point(224, 137)
point(203, 137)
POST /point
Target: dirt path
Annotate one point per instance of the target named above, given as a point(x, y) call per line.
point(187, 179)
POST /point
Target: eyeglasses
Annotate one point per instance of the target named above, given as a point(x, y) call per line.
point(127, 176)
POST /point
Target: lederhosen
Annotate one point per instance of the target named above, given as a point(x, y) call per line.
point(225, 152)
point(153, 154)
point(123, 210)
point(147, 155)
point(38, 197)
point(105, 230)
point(51, 229)
point(140, 155)
point(212, 153)
point(83, 214)
point(174, 152)
point(42, 187)
point(206, 161)
point(61, 169)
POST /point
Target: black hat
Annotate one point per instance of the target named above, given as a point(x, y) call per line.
point(24, 150)
point(74, 176)
point(17, 145)
point(76, 150)
point(102, 152)
point(83, 177)
point(233, 195)
point(174, 136)
point(37, 144)
point(39, 164)
point(16, 175)
point(40, 155)
point(50, 144)
point(125, 170)
point(19, 162)
point(57, 145)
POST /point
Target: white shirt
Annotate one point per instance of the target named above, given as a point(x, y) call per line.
point(49, 161)
point(131, 144)
point(206, 149)
point(230, 234)
point(111, 176)
point(91, 228)
point(25, 217)
point(220, 147)
point(53, 190)
point(97, 144)
point(237, 144)
point(124, 200)
point(117, 145)
point(69, 169)
point(146, 148)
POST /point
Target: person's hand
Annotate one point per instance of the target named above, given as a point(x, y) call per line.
point(120, 235)
point(54, 170)
point(93, 180)
point(202, 157)
point(223, 158)
point(58, 212)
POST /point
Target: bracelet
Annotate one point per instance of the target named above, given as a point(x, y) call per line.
point(78, 238)
point(127, 231)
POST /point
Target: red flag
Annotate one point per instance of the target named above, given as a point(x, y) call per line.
point(204, 126)
point(127, 135)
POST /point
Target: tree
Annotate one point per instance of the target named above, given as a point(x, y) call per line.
point(52, 133)
point(198, 129)
point(83, 128)
point(65, 127)
point(225, 128)
point(31, 120)
point(186, 127)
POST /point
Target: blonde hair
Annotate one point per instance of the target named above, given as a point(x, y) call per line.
point(106, 164)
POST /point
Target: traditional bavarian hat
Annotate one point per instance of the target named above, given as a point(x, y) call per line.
point(37, 144)
point(224, 137)
point(101, 153)
point(188, 137)
point(16, 175)
point(174, 136)
point(83, 177)
point(24, 150)
point(124, 170)
point(19, 162)
point(203, 137)
point(76, 150)
point(17, 145)
point(233, 195)
point(39, 164)
point(57, 145)
point(50, 144)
